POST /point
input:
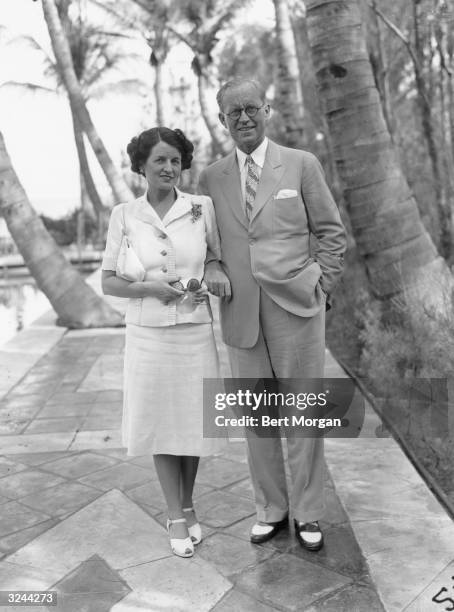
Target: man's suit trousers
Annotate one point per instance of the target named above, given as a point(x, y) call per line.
point(288, 347)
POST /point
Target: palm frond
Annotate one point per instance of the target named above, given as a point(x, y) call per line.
point(26, 87)
point(124, 87)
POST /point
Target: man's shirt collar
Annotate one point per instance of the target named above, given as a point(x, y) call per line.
point(258, 155)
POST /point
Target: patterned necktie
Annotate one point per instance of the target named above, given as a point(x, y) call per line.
point(252, 181)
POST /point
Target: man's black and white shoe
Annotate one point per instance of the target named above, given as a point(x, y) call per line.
point(309, 535)
point(262, 533)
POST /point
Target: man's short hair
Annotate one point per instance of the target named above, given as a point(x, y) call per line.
point(234, 83)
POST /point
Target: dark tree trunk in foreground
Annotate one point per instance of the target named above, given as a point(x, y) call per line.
point(401, 259)
point(75, 303)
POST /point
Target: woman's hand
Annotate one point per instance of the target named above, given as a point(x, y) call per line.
point(162, 289)
point(200, 296)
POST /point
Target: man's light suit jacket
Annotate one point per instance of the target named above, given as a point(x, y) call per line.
point(272, 251)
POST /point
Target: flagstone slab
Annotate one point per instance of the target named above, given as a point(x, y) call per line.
point(121, 476)
point(79, 465)
point(65, 398)
point(219, 472)
point(354, 598)
point(96, 440)
point(36, 443)
point(340, 553)
point(104, 421)
point(403, 531)
point(442, 587)
point(112, 526)
point(240, 602)
point(15, 516)
point(405, 555)
point(17, 577)
point(27, 481)
point(55, 425)
point(64, 410)
point(105, 373)
point(106, 408)
point(34, 459)
point(91, 587)
point(236, 451)
point(173, 584)
point(10, 543)
point(13, 426)
point(290, 583)
point(230, 555)
point(220, 509)
point(16, 408)
point(62, 499)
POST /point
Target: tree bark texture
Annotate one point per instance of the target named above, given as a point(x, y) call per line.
point(289, 97)
point(401, 259)
point(63, 57)
point(89, 183)
point(75, 303)
point(157, 88)
point(220, 146)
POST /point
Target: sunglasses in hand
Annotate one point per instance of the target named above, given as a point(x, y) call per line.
point(192, 285)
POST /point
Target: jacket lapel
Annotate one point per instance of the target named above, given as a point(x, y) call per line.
point(272, 173)
point(145, 212)
point(230, 183)
point(182, 206)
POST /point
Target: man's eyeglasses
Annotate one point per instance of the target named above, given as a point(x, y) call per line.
point(250, 111)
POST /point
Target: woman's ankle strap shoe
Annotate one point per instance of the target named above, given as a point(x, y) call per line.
point(182, 547)
point(195, 531)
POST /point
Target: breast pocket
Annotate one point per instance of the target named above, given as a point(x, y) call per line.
point(289, 217)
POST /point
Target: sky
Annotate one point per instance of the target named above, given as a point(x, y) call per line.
point(37, 127)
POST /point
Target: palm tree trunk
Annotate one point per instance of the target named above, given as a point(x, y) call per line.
point(289, 96)
point(157, 87)
point(62, 54)
point(217, 141)
point(401, 259)
point(75, 303)
point(85, 167)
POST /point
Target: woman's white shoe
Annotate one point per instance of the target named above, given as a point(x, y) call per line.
point(195, 531)
point(182, 547)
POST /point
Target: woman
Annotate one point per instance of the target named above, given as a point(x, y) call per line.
point(170, 344)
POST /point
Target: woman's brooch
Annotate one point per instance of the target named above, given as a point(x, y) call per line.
point(196, 212)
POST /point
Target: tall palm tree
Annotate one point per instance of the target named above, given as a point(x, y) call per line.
point(94, 60)
point(401, 259)
point(62, 52)
point(75, 303)
point(150, 22)
point(205, 19)
point(288, 98)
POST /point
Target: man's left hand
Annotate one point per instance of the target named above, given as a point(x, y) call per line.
point(217, 281)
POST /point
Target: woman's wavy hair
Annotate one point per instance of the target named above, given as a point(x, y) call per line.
point(140, 147)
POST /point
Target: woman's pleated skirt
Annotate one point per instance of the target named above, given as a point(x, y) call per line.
point(163, 389)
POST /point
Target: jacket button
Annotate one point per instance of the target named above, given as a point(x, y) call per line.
point(251, 241)
point(163, 253)
point(163, 236)
point(164, 269)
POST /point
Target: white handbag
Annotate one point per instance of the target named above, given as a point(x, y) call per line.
point(129, 265)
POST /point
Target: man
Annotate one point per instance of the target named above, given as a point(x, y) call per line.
point(269, 200)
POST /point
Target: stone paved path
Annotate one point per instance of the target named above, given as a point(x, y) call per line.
point(56, 524)
point(78, 516)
